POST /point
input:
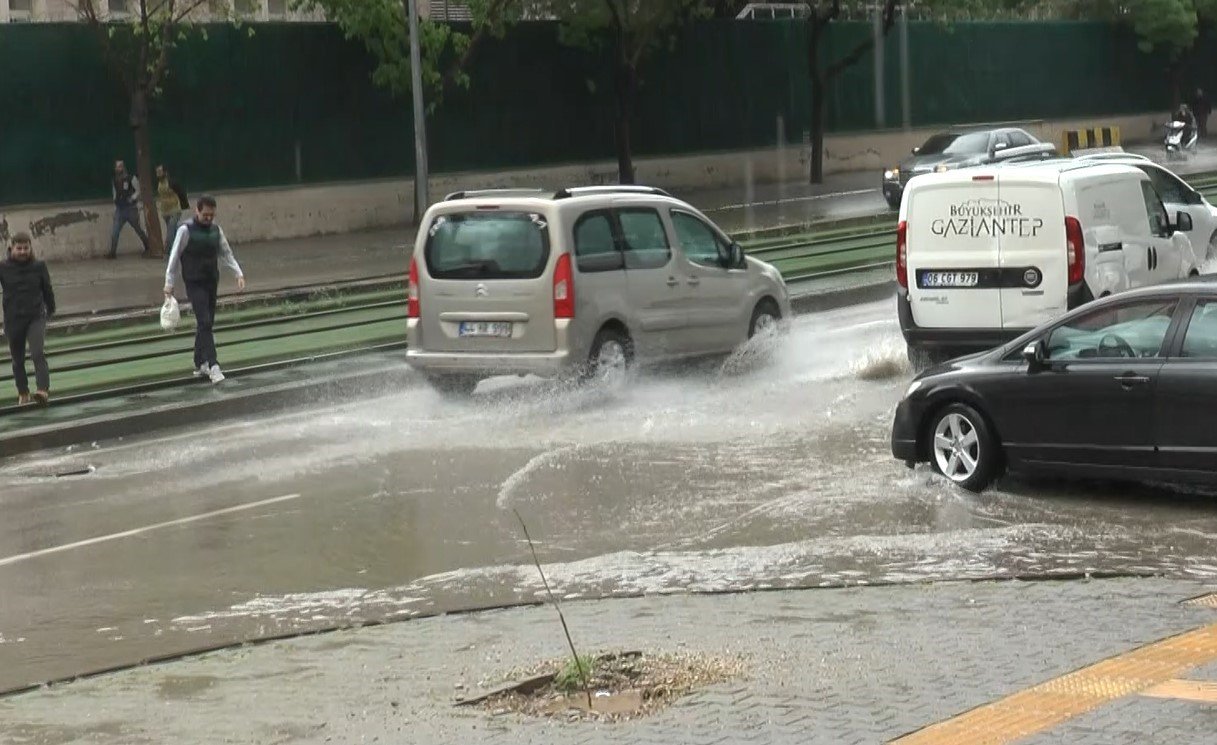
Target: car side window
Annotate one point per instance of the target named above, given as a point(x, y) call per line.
point(596, 249)
point(1168, 187)
point(644, 239)
point(1020, 139)
point(1158, 222)
point(1200, 341)
point(1001, 142)
point(699, 242)
point(1134, 330)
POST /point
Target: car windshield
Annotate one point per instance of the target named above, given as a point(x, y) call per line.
point(487, 245)
point(956, 144)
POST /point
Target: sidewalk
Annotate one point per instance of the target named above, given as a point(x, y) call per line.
point(840, 666)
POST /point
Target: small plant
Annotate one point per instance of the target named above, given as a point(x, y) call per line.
point(573, 674)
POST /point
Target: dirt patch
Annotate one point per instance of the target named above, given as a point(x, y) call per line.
point(624, 686)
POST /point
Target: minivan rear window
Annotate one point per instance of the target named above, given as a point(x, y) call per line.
point(487, 245)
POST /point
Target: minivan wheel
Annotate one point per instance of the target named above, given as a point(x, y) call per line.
point(765, 318)
point(962, 448)
point(610, 357)
point(454, 386)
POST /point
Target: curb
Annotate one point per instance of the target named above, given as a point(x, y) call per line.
point(206, 410)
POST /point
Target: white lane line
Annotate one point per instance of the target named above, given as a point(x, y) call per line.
point(145, 529)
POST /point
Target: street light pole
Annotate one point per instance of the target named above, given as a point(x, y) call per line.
point(421, 201)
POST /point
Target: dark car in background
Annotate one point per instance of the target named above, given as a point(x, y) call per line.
point(1121, 388)
point(961, 149)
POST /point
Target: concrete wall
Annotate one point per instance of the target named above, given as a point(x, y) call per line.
point(72, 231)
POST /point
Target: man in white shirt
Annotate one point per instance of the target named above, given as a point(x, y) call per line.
point(198, 249)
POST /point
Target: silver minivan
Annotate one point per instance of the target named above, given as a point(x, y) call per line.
point(584, 282)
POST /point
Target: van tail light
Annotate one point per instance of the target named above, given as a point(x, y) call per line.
point(1075, 248)
point(902, 253)
point(564, 289)
point(412, 301)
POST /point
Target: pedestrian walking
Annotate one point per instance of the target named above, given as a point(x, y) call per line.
point(198, 249)
point(1201, 107)
point(171, 202)
point(125, 188)
point(28, 301)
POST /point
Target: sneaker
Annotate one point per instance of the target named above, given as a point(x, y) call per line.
point(203, 370)
point(215, 374)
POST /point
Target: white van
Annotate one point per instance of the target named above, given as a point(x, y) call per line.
point(985, 254)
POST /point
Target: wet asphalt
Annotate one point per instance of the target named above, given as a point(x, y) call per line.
point(769, 470)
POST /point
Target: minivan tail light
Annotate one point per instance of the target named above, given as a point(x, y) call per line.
point(564, 288)
point(1075, 248)
point(902, 254)
point(412, 309)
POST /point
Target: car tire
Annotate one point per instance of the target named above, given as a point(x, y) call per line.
point(1211, 253)
point(612, 354)
point(454, 386)
point(962, 448)
point(765, 318)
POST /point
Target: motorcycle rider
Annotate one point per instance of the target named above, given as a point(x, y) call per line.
point(1184, 114)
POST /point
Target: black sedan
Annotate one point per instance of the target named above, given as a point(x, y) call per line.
point(1123, 387)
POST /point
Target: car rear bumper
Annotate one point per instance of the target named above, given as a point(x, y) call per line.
point(543, 364)
point(973, 339)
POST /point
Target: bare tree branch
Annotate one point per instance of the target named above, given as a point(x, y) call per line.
point(861, 48)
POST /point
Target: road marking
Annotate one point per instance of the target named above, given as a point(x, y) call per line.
point(145, 529)
point(1200, 691)
point(1042, 707)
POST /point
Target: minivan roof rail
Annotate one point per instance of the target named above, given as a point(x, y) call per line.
point(575, 191)
point(474, 193)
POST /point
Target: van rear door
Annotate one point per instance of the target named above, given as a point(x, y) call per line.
point(953, 252)
point(485, 282)
point(1034, 258)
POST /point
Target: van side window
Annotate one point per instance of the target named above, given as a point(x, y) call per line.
point(595, 248)
point(1158, 223)
point(643, 239)
point(697, 240)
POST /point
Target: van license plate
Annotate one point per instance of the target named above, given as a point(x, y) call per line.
point(485, 328)
point(950, 279)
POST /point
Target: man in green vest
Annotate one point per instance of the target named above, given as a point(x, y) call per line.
point(198, 249)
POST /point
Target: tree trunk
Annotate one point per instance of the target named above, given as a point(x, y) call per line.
point(144, 170)
point(817, 130)
point(627, 86)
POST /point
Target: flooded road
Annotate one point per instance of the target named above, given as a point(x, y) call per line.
point(744, 475)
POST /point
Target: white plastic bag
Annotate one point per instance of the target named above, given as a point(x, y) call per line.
point(171, 315)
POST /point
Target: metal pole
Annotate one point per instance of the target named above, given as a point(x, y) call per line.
point(905, 96)
point(421, 202)
point(880, 114)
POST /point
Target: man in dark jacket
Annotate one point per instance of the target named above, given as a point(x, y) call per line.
point(28, 302)
point(125, 188)
point(198, 249)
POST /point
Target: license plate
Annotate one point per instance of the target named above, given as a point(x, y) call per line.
point(485, 328)
point(950, 279)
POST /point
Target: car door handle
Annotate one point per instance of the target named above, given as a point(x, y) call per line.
point(1128, 380)
point(672, 282)
point(694, 281)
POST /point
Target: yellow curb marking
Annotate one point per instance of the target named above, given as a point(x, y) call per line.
point(1200, 691)
point(1048, 704)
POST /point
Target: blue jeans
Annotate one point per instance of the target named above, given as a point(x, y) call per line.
point(126, 216)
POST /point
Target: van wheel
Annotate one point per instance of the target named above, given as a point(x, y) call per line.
point(765, 318)
point(611, 356)
point(962, 448)
point(454, 386)
point(1212, 252)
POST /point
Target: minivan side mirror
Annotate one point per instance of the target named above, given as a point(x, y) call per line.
point(737, 255)
point(1183, 221)
point(1036, 354)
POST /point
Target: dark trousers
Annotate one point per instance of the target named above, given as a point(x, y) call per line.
point(126, 216)
point(202, 296)
point(19, 332)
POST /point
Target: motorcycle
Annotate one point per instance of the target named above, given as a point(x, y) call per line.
point(1173, 141)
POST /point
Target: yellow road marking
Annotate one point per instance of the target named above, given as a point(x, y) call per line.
point(1049, 704)
point(1202, 691)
